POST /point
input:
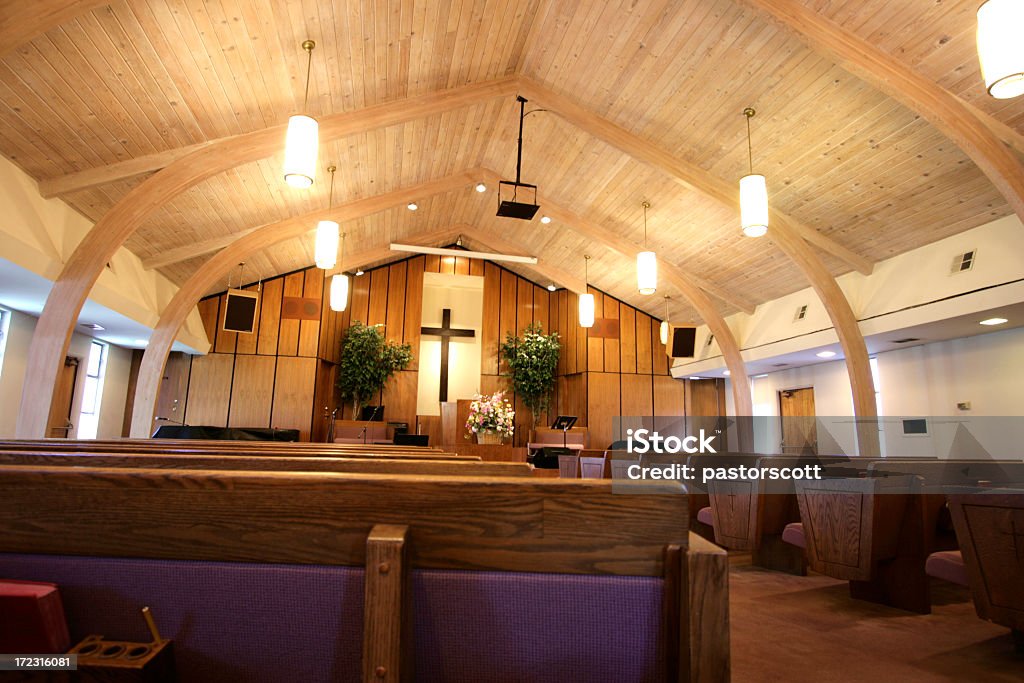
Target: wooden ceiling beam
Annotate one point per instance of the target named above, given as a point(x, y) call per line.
point(687, 174)
point(23, 22)
point(57, 322)
point(947, 112)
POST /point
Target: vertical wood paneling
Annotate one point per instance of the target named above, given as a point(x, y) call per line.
point(611, 345)
point(288, 338)
point(309, 330)
point(507, 314)
point(209, 312)
point(637, 395)
point(399, 398)
point(491, 320)
point(603, 406)
point(669, 396)
point(580, 335)
point(225, 340)
point(658, 351)
point(627, 339)
point(360, 300)
point(252, 391)
point(294, 386)
point(414, 308)
point(542, 308)
point(270, 317)
point(476, 267)
point(209, 390)
point(462, 265)
point(644, 362)
point(378, 309)
point(572, 397)
point(524, 305)
point(595, 345)
point(557, 304)
point(247, 342)
point(394, 329)
point(432, 263)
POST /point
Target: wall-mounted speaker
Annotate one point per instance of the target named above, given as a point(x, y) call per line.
point(240, 311)
point(682, 341)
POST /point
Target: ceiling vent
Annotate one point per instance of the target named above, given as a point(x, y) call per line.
point(907, 340)
point(801, 313)
point(963, 262)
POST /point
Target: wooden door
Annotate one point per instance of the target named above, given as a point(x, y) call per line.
point(705, 409)
point(60, 424)
point(799, 429)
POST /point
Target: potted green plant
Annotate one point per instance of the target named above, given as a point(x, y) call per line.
point(367, 362)
point(532, 360)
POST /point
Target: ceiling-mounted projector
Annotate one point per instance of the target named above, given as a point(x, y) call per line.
point(509, 207)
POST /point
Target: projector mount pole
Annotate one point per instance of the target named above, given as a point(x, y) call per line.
point(519, 155)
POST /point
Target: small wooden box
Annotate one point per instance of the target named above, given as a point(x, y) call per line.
point(109, 661)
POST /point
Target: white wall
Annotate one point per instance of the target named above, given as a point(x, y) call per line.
point(12, 378)
point(923, 381)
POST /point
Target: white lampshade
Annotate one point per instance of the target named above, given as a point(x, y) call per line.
point(301, 146)
point(663, 332)
point(586, 310)
point(1000, 47)
point(339, 292)
point(754, 205)
point(646, 272)
point(326, 252)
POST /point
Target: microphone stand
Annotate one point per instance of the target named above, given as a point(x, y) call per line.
point(367, 425)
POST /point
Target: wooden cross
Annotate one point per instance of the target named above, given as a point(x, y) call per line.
point(446, 332)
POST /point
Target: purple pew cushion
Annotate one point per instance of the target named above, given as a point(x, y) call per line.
point(253, 622)
point(794, 535)
point(947, 565)
point(704, 516)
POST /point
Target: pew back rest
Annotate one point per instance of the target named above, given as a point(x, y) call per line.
point(990, 528)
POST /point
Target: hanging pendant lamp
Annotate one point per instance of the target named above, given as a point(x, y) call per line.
point(663, 332)
point(339, 284)
point(586, 307)
point(753, 193)
point(646, 264)
point(999, 47)
point(326, 251)
point(302, 141)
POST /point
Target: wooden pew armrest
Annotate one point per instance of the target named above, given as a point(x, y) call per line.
point(708, 577)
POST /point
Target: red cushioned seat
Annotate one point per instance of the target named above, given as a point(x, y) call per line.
point(794, 535)
point(947, 565)
point(704, 515)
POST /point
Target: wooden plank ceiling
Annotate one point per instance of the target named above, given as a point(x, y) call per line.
point(146, 76)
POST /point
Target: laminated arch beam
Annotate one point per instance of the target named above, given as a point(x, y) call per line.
point(177, 310)
point(56, 324)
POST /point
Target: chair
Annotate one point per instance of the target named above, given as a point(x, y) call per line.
point(592, 467)
point(569, 466)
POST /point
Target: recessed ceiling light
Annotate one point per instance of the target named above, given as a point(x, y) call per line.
point(726, 373)
point(696, 378)
point(993, 321)
point(825, 354)
point(480, 187)
point(545, 219)
point(412, 206)
point(552, 287)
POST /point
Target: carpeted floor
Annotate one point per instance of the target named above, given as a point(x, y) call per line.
point(793, 628)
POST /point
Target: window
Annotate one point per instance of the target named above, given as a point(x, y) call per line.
point(88, 421)
point(5, 321)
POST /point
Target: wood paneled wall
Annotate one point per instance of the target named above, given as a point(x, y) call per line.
point(283, 374)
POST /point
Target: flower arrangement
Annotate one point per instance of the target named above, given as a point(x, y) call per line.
point(490, 415)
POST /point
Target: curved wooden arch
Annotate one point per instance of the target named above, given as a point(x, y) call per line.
point(56, 324)
point(941, 108)
point(177, 310)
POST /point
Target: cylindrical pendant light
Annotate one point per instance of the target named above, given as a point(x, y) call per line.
point(339, 284)
point(326, 249)
point(999, 47)
point(663, 331)
point(302, 142)
point(646, 264)
point(753, 193)
point(586, 307)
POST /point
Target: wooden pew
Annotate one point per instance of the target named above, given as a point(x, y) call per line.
point(55, 517)
point(460, 467)
point(990, 527)
point(877, 531)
